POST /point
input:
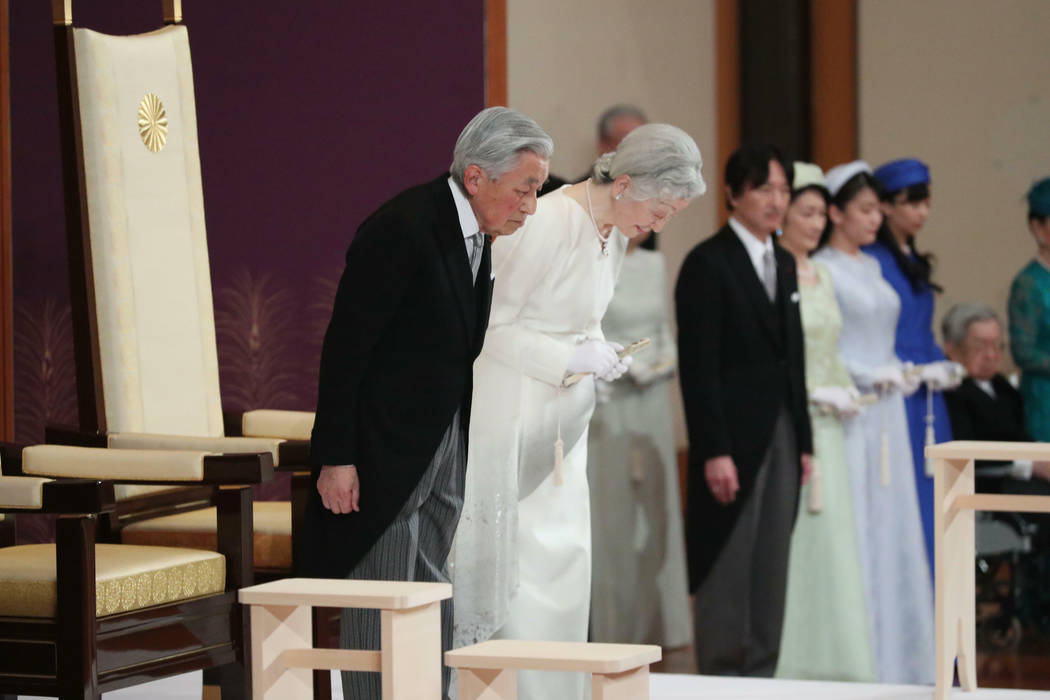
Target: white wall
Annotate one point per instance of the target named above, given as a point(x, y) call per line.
point(965, 86)
point(568, 61)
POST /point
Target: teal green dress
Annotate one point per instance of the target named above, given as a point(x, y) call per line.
point(1029, 310)
point(826, 634)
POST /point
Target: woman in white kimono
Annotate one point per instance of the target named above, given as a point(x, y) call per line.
point(521, 562)
point(638, 592)
point(885, 504)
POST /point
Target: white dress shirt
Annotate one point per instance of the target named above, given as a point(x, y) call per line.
point(467, 221)
point(756, 249)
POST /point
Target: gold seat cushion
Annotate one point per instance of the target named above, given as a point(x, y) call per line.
point(126, 578)
point(195, 529)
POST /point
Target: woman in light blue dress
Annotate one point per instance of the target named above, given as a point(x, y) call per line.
point(885, 507)
point(1030, 317)
point(905, 206)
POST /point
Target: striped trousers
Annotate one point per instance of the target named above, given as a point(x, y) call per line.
point(414, 548)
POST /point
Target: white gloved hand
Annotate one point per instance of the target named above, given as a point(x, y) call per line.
point(842, 400)
point(593, 356)
point(617, 370)
point(911, 379)
point(888, 378)
point(941, 376)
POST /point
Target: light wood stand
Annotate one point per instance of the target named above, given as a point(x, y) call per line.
point(283, 658)
point(488, 671)
point(954, 549)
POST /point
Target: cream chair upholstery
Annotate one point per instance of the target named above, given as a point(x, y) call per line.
point(71, 611)
point(147, 276)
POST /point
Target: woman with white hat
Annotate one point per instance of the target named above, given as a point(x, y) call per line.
point(886, 509)
point(826, 633)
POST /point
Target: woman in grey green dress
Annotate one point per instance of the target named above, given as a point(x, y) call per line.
point(825, 633)
point(638, 586)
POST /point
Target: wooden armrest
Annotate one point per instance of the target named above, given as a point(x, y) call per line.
point(155, 467)
point(67, 497)
point(294, 456)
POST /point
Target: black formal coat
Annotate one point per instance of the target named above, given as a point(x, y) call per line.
point(740, 361)
point(975, 415)
point(407, 325)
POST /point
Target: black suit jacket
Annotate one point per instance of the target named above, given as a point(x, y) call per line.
point(740, 361)
point(975, 415)
point(407, 325)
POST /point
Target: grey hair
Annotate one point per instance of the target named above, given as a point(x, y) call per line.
point(662, 161)
point(615, 112)
point(956, 323)
point(494, 140)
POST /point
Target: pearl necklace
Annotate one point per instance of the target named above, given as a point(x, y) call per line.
point(604, 240)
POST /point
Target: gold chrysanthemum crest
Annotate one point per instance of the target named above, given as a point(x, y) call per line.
point(153, 123)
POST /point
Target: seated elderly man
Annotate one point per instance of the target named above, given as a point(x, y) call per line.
point(986, 406)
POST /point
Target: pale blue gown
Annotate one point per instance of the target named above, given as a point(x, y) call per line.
point(888, 523)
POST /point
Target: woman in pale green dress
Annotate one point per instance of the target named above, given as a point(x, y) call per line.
point(825, 632)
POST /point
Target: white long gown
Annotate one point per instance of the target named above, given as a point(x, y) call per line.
point(888, 524)
point(521, 563)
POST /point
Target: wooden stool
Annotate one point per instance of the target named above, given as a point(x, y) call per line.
point(954, 550)
point(283, 657)
point(489, 671)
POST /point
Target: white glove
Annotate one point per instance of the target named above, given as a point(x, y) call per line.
point(912, 379)
point(597, 357)
point(941, 376)
point(842, 400)
point(888, 377)
point(619, 368)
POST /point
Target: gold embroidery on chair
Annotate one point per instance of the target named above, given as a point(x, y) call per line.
point(153, 123)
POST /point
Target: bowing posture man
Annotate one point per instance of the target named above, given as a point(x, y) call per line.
point(389, 440)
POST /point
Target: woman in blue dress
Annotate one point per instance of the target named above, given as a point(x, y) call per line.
point(1030, 317)
point(905, 203)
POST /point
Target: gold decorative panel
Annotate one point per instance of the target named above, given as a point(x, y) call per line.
point(153, 123)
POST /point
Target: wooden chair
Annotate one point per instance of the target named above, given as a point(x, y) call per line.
point(77, 618)
point(284, 657)
point(954, 586)
point(488, 671)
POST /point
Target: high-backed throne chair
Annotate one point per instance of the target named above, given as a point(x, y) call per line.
point(78, 619)
point(144, 328)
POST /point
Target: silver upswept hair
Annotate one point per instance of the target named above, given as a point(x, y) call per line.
point(956, 323)
point(494, 140)
point(662, 161)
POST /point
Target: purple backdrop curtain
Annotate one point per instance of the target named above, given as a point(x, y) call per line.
point(309, 116)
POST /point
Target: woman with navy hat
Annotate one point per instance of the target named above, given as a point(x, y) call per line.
point(1030, 317)
point(905, 203)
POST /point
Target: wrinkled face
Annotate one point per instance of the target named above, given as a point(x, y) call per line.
point(860, 222)
point(904, 216)
point(982, 351)
point(804, 222)
point(761, 209)
point(637, 218)
point(501, 205)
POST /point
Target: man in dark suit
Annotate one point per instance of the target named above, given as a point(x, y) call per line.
point(393, 409)
point(986, 406)
point(742, 376)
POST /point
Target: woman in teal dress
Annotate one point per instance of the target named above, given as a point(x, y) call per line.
point(1030, 317)
point(826, 633)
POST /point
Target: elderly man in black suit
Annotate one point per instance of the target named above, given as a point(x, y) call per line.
point(742, 375)
point(389, 438)
point(986, 406)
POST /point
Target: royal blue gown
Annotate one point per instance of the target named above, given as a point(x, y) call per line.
point(915, 343)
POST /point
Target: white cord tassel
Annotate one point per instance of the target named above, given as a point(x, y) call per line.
point(931, 436)
point(884, 458)
point(559, 450)
point(815, 504)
